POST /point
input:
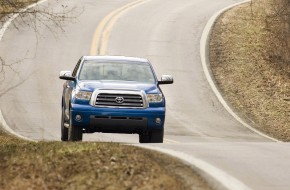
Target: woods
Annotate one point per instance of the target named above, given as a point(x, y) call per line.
point(277, 23)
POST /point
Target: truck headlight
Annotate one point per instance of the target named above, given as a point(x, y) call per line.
point(83, 95)
point(154, 98)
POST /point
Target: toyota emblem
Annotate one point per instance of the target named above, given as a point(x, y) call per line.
point(119, 100)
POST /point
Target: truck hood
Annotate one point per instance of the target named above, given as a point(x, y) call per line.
point(117, 85)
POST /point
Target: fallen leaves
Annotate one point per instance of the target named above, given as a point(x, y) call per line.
point(249, 75)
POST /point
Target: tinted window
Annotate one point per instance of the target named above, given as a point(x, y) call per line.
point(116, 71)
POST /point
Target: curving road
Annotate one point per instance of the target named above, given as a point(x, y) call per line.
point(168, 34)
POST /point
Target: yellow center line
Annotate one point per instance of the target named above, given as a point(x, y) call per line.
point(103, 30)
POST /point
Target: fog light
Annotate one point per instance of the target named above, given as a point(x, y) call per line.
point(158, 120)
point(78, 118)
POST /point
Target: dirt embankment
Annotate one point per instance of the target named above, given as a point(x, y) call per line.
point(250, 59)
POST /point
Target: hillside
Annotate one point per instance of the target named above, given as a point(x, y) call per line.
point(250, 59)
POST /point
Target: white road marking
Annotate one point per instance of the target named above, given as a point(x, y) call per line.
point(2, 31)
point(9, 130)
point(209, 77)
point(208, 171)
point(14, 16)
point(170, 141)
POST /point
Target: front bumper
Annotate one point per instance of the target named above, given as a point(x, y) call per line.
point(117, 120)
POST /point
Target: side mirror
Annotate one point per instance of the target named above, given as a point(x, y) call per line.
point(66, 75)
point(166, 79)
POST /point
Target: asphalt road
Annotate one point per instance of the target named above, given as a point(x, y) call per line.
point(168, 34)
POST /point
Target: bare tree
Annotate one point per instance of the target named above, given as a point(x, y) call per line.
point(34, 17)
point(38, 14)
point(278, 24)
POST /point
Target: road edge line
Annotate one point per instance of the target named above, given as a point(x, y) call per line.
point(5, 26)
point(5, 126)
point(215, 177)
point(204, 46)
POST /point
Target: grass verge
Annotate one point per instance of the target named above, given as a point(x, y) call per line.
point(250, 66)
point(57, 165)
point(12, 6)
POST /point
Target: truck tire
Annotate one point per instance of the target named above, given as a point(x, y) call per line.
point(156, 136)
point(74, 133)
point(64, 130)
point(153, 136)
point(144, 138)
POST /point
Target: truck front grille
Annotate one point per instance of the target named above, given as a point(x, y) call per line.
point(119, 100)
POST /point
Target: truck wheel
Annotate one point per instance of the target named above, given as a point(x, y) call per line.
point(156, 136)
point(64, 130)
point(144, 138)
point(75, 133)
point(153, 136)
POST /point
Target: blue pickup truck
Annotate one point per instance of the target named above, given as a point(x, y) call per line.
point(113, 94)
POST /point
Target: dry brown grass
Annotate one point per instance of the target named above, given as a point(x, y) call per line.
point(251, 68)
point(57, 165)
point(11, 6)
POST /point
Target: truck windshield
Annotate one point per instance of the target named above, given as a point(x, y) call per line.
point(116, 71)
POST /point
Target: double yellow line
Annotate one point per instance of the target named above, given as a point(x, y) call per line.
point(103, 31)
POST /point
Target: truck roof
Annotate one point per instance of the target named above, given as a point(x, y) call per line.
point(116, 58)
